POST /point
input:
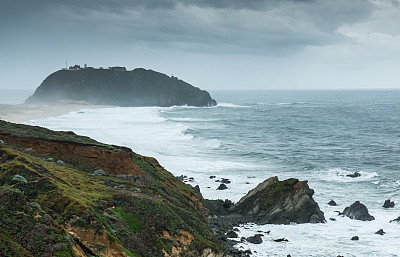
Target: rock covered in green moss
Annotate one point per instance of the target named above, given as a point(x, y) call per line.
point(138, 87)
point(280, 202)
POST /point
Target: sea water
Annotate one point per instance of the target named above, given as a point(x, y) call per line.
point(319, 136)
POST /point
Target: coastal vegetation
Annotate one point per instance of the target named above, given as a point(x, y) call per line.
point(117, 86)
point(51, 206)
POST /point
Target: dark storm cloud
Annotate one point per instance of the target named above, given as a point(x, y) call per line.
point(202, 25)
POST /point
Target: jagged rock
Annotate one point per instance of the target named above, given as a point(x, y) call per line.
point(227, 204)
point(181, 177)
point(388, 204)
point(380, 232)
point(355, 238)
point(280, 202)
point(232, 234)
point(225, 181)
point(19, 178)
point(396, 220)
point(216, 207)
point(120, 87)
point(212, 177)
point(197, 190)
point(332, 203)
point(256, 239)
point(222, 187)
point(357, 211)
point(354, 175)
point(281, 240)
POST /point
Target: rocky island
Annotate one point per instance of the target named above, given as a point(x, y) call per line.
point(119, 87)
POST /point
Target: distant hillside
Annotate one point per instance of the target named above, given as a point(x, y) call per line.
point(117, 86)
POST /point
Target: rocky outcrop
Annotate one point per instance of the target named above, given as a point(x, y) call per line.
point(280, 202)
point(388, 204)
point(119, 87)
point(53, 208)
point(272, 201)
point(357, 211)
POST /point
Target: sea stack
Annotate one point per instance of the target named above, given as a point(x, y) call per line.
point(120, 87)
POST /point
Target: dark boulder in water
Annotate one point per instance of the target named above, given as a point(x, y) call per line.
point(396, 220)
point(222, 187)
point(232, 234)
point(256, 239)
point(354, 175)
point(281, 240)
point(355, 238)
point(380, 232)
point(117, 86)
point(332, 203)
point(388, 204)
point(357, 211)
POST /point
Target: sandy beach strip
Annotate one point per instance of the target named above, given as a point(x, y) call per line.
point(24, 112)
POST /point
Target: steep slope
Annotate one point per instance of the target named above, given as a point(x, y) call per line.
point(57, 204)
point(119, 87)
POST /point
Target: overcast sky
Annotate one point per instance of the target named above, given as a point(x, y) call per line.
point(212, 44)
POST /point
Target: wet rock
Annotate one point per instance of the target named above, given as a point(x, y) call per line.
point(232, 234)
point(396, 220)
point(388, 204)
point(280, 202)
point(19, 178)
point(181, 177)
point(355, 238)
point(227, 204)
point(281, 240)
point(357, 211)
point(332, 219)
point(216, 207)
point(212, 177)
point(332, 203)
point(197, 189)
point(380, 232)
point(225, 181)
point(354, 175)
point(256, 239)
point(222, 187)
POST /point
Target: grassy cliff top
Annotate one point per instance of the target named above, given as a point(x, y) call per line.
point(54, 208)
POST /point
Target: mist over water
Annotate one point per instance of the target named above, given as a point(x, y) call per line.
point(319, 136)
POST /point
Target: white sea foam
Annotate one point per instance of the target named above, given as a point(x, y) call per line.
point(231, 105)
point(179, 146)
point(341, 175)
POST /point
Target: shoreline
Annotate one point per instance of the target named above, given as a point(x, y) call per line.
point(20, 113)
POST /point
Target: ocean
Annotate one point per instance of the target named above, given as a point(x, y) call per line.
point(318, 136)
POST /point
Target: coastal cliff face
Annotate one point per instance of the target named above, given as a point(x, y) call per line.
point(119, 87)
point(54, 200)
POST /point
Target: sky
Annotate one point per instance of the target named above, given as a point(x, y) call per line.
point(211, 44)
